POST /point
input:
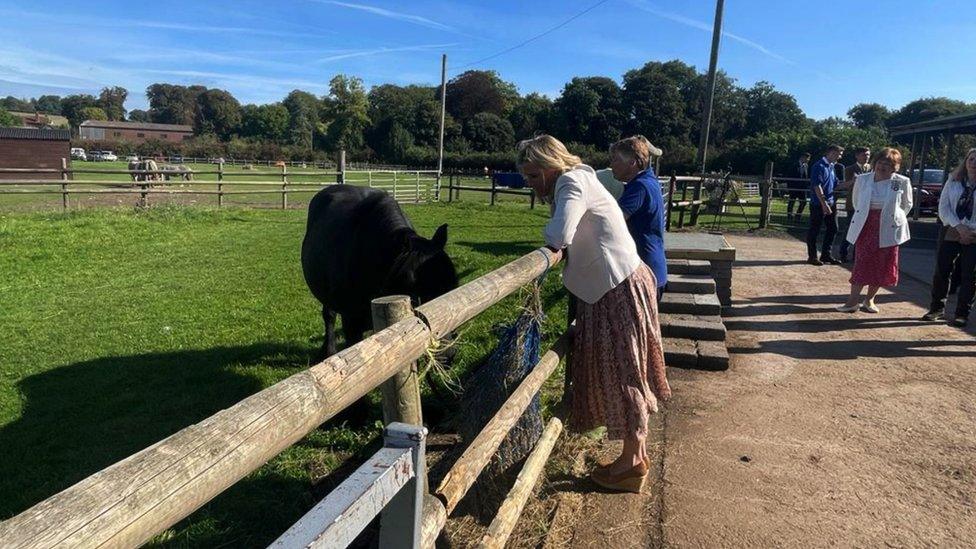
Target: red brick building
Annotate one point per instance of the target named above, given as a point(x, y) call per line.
point(33, 148)
point(133, 132)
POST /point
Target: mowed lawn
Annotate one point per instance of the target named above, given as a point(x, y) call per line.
point(121, 326)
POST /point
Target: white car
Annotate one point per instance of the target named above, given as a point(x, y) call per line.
point(132, 158)
point(77, 153)
point(108, 156)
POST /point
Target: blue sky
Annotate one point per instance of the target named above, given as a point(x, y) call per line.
point(828, 58)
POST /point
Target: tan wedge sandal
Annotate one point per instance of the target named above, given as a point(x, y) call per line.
point(631, 480)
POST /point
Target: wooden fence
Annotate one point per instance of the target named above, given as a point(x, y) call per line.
point(412, 186)
point(127, 503)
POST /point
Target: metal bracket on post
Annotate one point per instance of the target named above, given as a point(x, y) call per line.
point(401, 518)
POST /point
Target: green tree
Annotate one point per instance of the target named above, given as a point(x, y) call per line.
point(472, 92)
point(489, 132)
point(869, 115)
point(770, 110)
point(590, 110)
point(173, 104)
point(265, 122)
point(72, 105)
point(49, 104)
point(347, 108)
point(12, 103)
point(7, 119)
point(138, 115)
point(928, 108)
point(396, 141)
point(655, 104)
point(93, 113)
point(112, 101)
point(303, 117)
point(531, 114)
point(217, 113)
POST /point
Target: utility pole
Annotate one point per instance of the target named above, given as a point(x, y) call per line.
point(710, 90)
point(440, 146)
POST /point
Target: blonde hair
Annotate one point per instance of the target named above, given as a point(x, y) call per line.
point(890, 154)
point(546, 152)
point(637, 148)
point(960, 174)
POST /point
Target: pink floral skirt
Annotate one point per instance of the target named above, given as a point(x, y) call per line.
point(874, 266)
point(618, 371)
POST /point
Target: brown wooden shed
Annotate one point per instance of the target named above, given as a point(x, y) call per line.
point(33, 148)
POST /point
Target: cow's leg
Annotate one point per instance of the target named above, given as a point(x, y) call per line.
point(329, 344)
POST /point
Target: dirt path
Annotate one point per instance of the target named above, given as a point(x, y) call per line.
point(828, 429)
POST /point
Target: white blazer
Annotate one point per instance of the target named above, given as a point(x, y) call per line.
point(588, 223)
point(894, 214)
point(948, 200)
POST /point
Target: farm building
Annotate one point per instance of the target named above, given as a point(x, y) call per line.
point(33, 148)
point(133, 132)
point(41, 120)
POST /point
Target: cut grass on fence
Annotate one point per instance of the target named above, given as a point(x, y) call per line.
point(122, 326)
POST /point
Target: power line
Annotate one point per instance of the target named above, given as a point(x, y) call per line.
point(536, 37)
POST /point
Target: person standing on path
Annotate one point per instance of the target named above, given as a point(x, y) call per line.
point(796, 192)
point(823, 181)
point(957, 213)
point(642, 202)
point(618, 371)
point(860, 165)
point(882, 200)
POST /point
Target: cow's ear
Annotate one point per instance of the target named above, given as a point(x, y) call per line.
point(440, 236)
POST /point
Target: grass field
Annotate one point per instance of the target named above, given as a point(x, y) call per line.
point(122, 326)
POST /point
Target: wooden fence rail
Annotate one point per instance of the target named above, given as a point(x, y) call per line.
point(127, 503)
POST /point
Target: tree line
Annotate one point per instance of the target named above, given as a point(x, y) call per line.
point(487, 115)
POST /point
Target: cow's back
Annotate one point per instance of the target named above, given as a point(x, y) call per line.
point(350, 243)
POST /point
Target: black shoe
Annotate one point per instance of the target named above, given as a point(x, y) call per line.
point(958, 321)
point(843, 259)
point(829, 260)
point(815, 261)
point(933, 316)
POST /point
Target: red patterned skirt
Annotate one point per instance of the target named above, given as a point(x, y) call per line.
point(874, 266)
point(618, 361)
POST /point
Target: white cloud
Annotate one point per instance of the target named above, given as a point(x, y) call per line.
point(707, 27)
point(380, 50)
point(382, 12)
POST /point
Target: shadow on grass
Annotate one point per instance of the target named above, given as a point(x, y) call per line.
point(517, 247)
point(83, 417)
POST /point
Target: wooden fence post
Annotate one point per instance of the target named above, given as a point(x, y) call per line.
point(220, 185)
point(369, 178)
point(766, 195)
point(64, 186)
point(696, 198)
point(284, 186)
point(492, 191)
point(417, 200)
point(401, 393)
point(450, 187)
point(672, 187)
point(341, 176)
point(394, 185)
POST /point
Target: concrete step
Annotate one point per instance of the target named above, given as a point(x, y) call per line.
point(690, 304)
point(707, 328)
point(689, 266)
point(699, 355)
point(691, 284)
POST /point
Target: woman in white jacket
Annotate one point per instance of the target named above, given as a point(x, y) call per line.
point(618, 371)
point(881, 200)
point(958, 243)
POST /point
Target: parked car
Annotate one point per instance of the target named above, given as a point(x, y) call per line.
point(77, 153)
point(176, 159)
point(108, 156)
point(132, 158)
point(930, 190)
point(94, 156)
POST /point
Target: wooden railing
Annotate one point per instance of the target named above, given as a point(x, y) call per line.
point(127, 503)
point(413, 186)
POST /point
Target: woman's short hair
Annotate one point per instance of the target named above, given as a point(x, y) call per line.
point(546, 152)
point(890, 154)
point(960, 174)
point(637, 148)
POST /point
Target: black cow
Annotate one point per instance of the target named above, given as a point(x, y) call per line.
point(358, 246)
